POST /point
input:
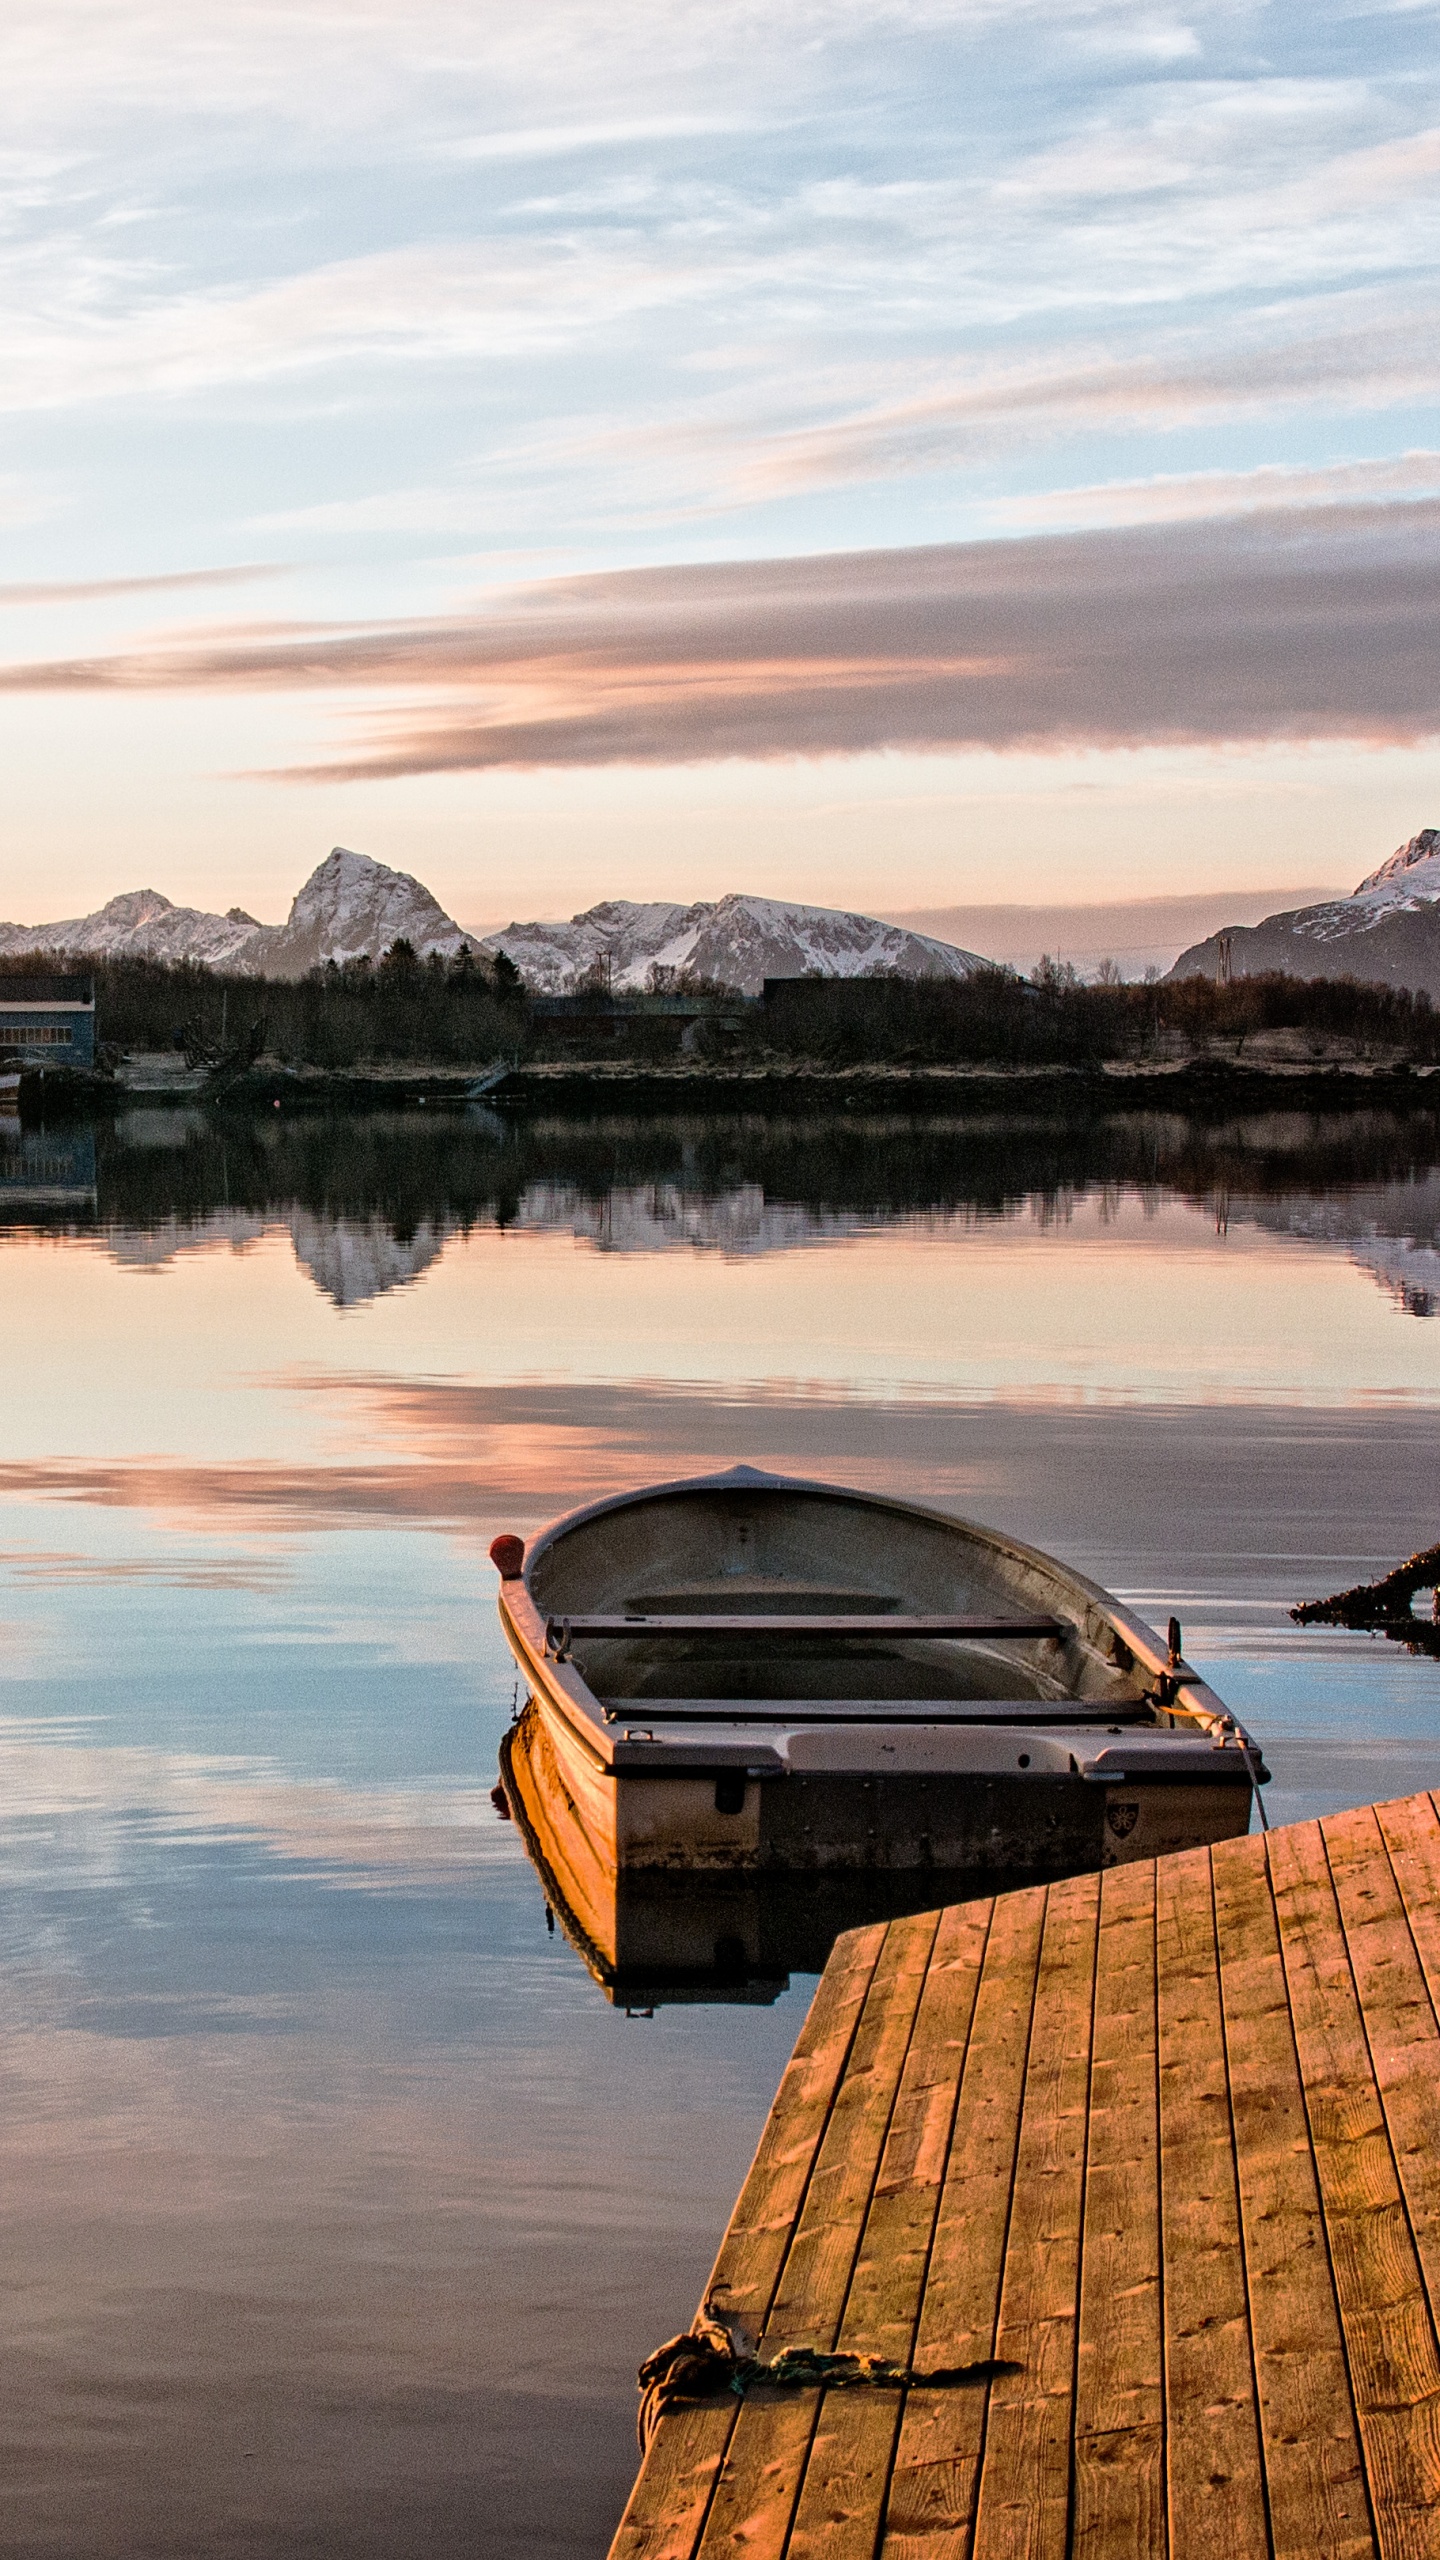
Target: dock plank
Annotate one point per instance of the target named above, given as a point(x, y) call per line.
point(1215, 2484)
point(930, 2510)
point(1385, 2314)
point(1402, 2047)
point(1399, 2013)
point(1315, 2478)
point(1119, 2488)
point(666, 2511)
point(759, 2477)
point(1144, 2171)
point(1023, 2507)
point(848, 2468)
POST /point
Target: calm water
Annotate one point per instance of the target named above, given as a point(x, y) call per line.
point(339, 2204)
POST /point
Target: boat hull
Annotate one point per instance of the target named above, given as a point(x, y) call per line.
point(798, 1823)
point(652, 1937)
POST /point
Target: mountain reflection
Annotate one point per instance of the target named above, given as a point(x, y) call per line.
point(371, 1201)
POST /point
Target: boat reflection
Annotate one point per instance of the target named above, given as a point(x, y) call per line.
point(654, 1940)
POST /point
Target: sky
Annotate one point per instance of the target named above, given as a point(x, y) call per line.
point(902, 454)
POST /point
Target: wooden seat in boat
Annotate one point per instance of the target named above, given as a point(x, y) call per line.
point(754, 1622)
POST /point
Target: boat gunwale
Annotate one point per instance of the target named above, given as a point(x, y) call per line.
point(1148, 1648)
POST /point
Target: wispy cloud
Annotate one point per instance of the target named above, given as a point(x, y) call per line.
point(612, 275)
point(1340, 353)
point(91, 590)
point(561, 141)
point(1291, 624)
point(1180, 497)
point(51, 1565)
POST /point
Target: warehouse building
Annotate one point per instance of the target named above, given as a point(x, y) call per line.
point(47, 1022)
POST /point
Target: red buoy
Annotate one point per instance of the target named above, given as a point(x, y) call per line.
point(507, 1554)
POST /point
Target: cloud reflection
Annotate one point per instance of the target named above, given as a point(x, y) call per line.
point(59, 1565)
point(339, 1835)
point(1111, 1484)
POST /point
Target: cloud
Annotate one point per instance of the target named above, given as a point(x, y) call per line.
point(1290, 624)
point(1132, 1491)
point(1180, 497)
point(1342, 354)
point(742, 448)
point(88, 590)
point(396, 1836)
point(559, 141)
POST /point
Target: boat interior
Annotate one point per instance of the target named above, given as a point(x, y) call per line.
point(753, 1602)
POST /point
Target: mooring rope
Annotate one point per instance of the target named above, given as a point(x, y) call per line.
point(705, 2362)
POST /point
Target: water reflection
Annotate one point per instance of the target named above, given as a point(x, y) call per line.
point(372, 1202)
point(46, 1173)
point(652, 1940)
point(340, 2204)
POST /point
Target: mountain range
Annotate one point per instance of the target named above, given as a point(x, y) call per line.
point(736, 941)
point(1388, 930)
point(349, 909)
point(352, 908)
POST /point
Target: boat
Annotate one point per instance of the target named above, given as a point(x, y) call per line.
point(655, 1938)
point(748, 1673)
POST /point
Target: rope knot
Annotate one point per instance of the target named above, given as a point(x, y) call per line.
point(694, 2366)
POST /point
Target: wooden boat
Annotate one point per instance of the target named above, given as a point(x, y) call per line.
point(747, 1672)
point(653, 1938)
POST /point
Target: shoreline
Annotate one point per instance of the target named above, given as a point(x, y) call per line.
point(580, 1086)
point(600, 1084)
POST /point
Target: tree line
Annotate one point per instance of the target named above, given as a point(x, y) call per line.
point(1054, 1019)
point(474, 1009)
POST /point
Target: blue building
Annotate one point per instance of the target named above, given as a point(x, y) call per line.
point(47, 1022)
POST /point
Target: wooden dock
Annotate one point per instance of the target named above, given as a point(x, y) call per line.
point(1142, 2170)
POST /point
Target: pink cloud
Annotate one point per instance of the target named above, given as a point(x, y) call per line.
point(1290, 624)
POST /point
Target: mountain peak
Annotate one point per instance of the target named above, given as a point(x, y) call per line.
point(140, 924)
point(350, 908)
point(1388, 931)
point(137, 906)
point(1421, 849)
point(353, 908)
point(739, 940)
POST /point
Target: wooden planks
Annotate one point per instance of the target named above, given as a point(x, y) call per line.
point(672, 2496)
point(848, 2463)
point(931, 2507)
point(1139, 2177)
point(1119, 2427)
point(1214, 2477)
point(756, 2491)
point(1025, 2475)
point(1389, 2334)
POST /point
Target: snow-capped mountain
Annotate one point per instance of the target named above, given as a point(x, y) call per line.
point(1389, 930)
point(350, 908)
point(352, 1260)
point(353, 909)
point(1409, 879)
point(737, 941)
point(143, 925)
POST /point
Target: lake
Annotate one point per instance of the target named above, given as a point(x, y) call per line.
point(340, 2205)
